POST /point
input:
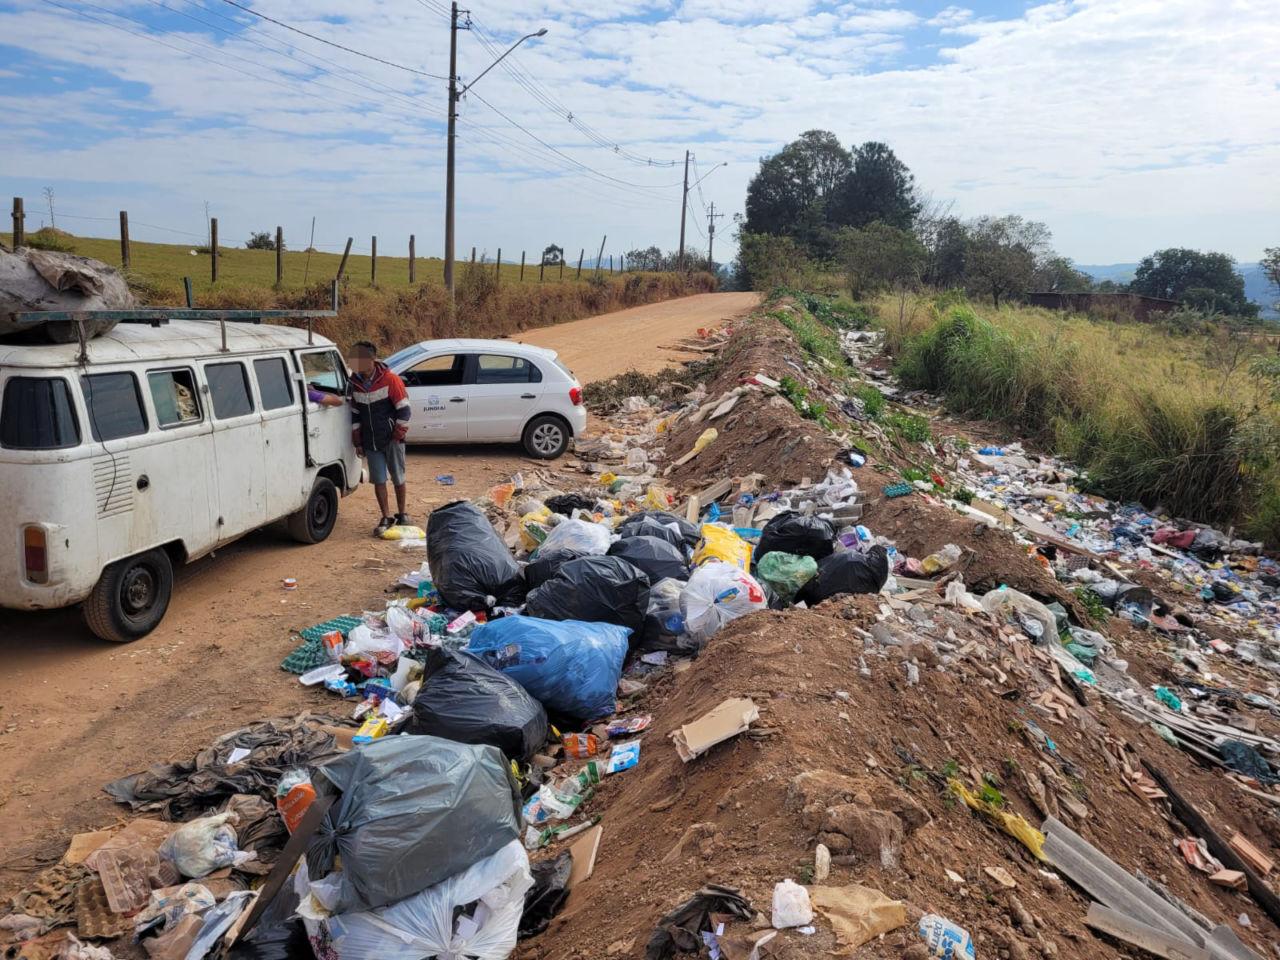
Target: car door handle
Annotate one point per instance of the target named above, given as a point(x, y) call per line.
point(457, 400)
point(528, 396)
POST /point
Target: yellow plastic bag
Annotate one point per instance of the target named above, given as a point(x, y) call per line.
point(657, 497)
point(721, 543)
point(533, 528)
point(705, 439)
point(1010, 823)
point(607, 478)
point(404, 533)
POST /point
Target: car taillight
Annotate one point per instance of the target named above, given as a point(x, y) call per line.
point(575, 395)
point(35, 556)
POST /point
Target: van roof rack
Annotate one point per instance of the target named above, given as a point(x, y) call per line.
point(155, 316)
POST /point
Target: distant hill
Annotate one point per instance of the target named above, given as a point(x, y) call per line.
point(1256, 286)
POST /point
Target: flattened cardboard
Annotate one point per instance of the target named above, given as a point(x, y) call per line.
point(83, 844)
point(723, 723)
point(584, 850)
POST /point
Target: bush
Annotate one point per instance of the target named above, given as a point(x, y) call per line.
point(261, 240)
point(48, 238)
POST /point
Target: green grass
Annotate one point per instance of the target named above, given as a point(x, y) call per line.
point(817, 339)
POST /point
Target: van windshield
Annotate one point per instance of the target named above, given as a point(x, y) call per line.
point(37, 414)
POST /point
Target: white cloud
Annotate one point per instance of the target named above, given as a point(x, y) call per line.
point(951, 16)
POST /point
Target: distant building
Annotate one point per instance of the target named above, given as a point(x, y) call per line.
point(1109, 304)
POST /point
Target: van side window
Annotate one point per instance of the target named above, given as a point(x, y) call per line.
point(115, 405)
point(229, 387)
point(325, 371)
point(493, 368)
point(173, 394)
point(273, 383)
point(442, 371)
point(37, 414)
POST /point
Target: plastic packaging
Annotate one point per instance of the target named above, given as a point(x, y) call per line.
point(432, 923)
point(533, 527)
point(722, 543)
point(574, 538)
point(473, 568)
point(362, 640)
point(1012, 604)
point(623, 756)
point(404, 533)
point(847, 572)
point(202, 846)
point(718, 592)
point(464, 699)
point(936, 562)
point(401, 623)
point(795, 533)
point(580, 746)
point(658, 558)
point(594, 589)
point(571, 667)
point(785, 573)
point(791, 907)
point(410, 812)
point(944, 939)
point(294, 795)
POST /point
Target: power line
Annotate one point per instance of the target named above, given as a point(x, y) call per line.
point(358, 53)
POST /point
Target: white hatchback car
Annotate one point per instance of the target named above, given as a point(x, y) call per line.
point(490, 391)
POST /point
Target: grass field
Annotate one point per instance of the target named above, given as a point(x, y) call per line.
point(158, 268)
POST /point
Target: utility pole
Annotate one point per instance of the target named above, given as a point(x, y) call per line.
point(449, 152)
point(711, 234)
point(684, 203)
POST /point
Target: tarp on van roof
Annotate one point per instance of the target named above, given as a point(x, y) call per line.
point(33, 280)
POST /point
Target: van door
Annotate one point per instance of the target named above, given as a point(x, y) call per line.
point(438, 407)
point(286, 460)
point(239, 463)
point(182, 486)
point(329, 428)
point(504, 392)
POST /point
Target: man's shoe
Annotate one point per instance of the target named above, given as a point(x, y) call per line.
point(385, 524)
point(402, 520)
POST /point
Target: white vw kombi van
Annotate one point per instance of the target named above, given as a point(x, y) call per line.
point(124, 455)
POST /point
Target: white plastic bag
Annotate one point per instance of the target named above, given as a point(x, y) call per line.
point(362, 639)
point(716, 593)
point(576, 538)
point(400, 621)
point(791, 906)
point(423, 925)
point(1005, 601)
point(958, 596)
point(202, 846)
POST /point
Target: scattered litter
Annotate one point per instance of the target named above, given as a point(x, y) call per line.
point(725, 722)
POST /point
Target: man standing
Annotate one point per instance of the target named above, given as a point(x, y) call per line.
point(379, 423)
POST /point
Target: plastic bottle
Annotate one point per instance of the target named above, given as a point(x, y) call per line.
point(941, 560)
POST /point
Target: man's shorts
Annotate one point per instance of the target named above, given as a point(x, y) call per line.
point(389, 460)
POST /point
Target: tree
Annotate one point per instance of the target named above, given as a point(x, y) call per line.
point(880, 257)
point(788, 194)
point(261, 240)
point(946, 241)
point(1058, 274)
point(1003, 253)
point(650, 258)
point(765, 262)
point(1271, 268)
point(879, 187)
point(1203, 280)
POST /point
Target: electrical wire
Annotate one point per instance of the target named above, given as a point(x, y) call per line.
point(358, 53)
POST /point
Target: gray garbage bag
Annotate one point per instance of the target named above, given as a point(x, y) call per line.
point(48, 280)
point(411, 812)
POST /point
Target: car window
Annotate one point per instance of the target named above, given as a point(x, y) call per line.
point(496, 368)
point(115, 405)
point(325, 371)
point(402, 356)
point(229, 388)
point(445, 370)
point(36, 413)
point(173, 394)
point(274, 388)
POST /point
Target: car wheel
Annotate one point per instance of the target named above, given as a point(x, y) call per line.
point(131, 597)
point(314, 522)
point(546, 437)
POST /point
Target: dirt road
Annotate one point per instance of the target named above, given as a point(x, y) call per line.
point(76, 712)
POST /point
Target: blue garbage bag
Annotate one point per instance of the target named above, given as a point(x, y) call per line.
point(573, 667)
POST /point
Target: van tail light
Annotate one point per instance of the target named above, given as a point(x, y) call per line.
point(575, 396)
point(35, 555)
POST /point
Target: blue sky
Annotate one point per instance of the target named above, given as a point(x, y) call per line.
point(1125, 125)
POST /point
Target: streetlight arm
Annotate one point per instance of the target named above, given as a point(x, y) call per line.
point(709, 173)
point(528, 36)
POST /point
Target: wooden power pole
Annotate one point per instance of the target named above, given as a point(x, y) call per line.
point(684, 203)
point(711, 234)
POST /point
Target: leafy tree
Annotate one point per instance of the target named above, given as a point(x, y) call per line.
point(1002, 255)
point(789, 193)
point(1109, 286)
point(879, 187)
point(946, 241)
point(1207, 281)
point(261, 240)
point(650, 258)
point(1271, 268)
point(880, 257)
point(1058, 274)
point(765, 262)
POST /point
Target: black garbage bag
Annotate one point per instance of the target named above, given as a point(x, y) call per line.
point(1242, 758)
point(566, 503)
point(689, 533)
point(792, 532)
point(548, 894)
point(465, 700)
point(471, 566)
point(848, 571)
point(594, 589)
point(648, 527)
point(537, 572)
point(278, 934)
point(657, 558)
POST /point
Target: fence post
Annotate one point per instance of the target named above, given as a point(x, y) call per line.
point(373, 263)
point(581, 254)
point(213, 249)
point(279, 257)
point(622, 263)
point(124, 240)
point(562, 267)
point(412, 272)
point(497, 268)
point(342, 265)
point(542, 266)
point(522, 266)
point(611, 263)
point(19, 232)
point(473, 254)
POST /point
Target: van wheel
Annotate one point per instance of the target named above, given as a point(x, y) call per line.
point(545, 438)
point(315, 521)
point(131, 597)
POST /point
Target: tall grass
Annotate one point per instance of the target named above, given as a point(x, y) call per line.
point(1154, 418)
